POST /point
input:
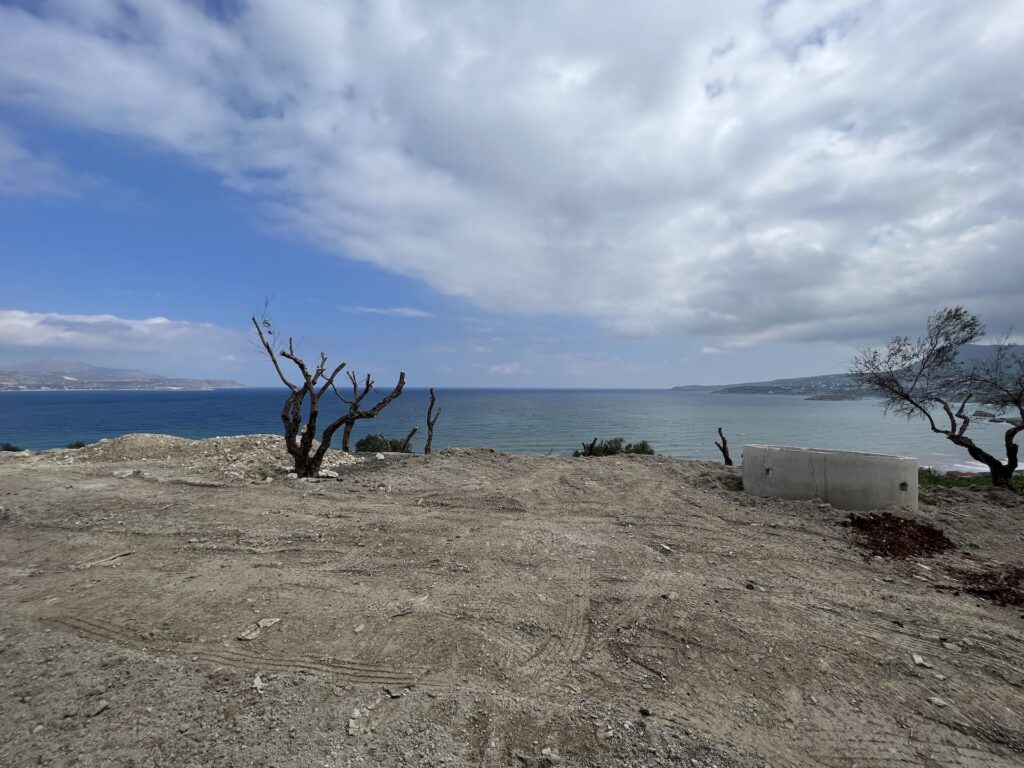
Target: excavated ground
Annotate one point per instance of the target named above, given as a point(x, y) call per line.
point(474, 608)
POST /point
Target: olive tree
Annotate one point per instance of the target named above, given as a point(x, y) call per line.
point(924, 379)
point(300, 438)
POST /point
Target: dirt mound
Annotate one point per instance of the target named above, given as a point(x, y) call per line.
point(241, 457)
point(1003, 585)
point(888, 535)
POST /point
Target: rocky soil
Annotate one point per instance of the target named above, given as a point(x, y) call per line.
point(166, 602)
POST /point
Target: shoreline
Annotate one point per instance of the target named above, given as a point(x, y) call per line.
point(957, 469)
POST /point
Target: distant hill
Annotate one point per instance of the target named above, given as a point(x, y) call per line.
point(839, 385)
point(833, 386)
point(54, 374)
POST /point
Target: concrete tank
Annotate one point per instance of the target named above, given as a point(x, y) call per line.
point(844, 479)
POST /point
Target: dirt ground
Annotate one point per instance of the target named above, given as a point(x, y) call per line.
point(474, 608)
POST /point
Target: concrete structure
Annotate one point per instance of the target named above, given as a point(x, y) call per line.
point(844, 479)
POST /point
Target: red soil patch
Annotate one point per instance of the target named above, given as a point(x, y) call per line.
point(890, 536)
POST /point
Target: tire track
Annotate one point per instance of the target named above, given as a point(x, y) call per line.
point(550, 663)
point(346, 670)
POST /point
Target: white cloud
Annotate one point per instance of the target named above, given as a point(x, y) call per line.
point(504, 369)
point(752, 171)
point(172, 346)
point(24, 173)
point(407, 312)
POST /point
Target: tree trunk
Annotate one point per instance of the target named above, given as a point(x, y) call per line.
point(1002, 475)
point(308, 466)
point(431, 421)
point(724, 448)
point(346, 436)
point(408, 439)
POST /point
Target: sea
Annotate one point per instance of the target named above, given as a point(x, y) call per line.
point(534, 421)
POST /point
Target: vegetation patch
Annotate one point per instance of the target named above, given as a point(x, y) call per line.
point(929, 477)
point(888, 535)
point(614, 446)
point(9, 447)
point(381, 444)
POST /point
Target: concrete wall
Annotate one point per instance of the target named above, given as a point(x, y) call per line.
point(844, 479)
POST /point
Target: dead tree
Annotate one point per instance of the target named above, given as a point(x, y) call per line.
point(431, 421)
point(724, 448)
point(923, 379)
point(298, 437)
point(408, 440)
point(355, 410)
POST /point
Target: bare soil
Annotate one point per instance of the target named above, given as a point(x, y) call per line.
point(474, 608)
point(890, 535)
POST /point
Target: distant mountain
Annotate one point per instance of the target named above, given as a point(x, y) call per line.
point(54, 374)
point(833, 386)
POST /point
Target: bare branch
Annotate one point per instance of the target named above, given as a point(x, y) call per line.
point(408, 439)
point(724, 448)
point(270, 349)
point(431, 421)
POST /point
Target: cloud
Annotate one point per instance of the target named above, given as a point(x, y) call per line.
point(174, 346)
point(748, 171)
point(27, 174)
point(504, 369)
point(408, 312)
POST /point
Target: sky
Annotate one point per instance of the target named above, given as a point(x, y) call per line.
point(530, 194)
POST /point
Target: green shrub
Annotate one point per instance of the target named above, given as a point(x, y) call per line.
point(9, 447)
point(613, 446)
point(927, 476)
point(379, 444)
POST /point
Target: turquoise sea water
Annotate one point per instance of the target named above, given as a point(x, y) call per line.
point(519, 421)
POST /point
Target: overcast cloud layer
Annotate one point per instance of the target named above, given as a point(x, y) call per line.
point(796, 170)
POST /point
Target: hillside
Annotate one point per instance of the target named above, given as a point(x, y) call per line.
point(75, 375)
point(831, 386)
point(182, 603)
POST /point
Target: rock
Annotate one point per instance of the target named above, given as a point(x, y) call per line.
point(126, 472)
point(38, 728)
point(258, 684)
point(264, 623)
point(937, 701)
point(293, 476)
point(100, 708)
point(249, 633)
point(920, 662)
point(353, 727)
point(380, 457)
point(328, 473)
